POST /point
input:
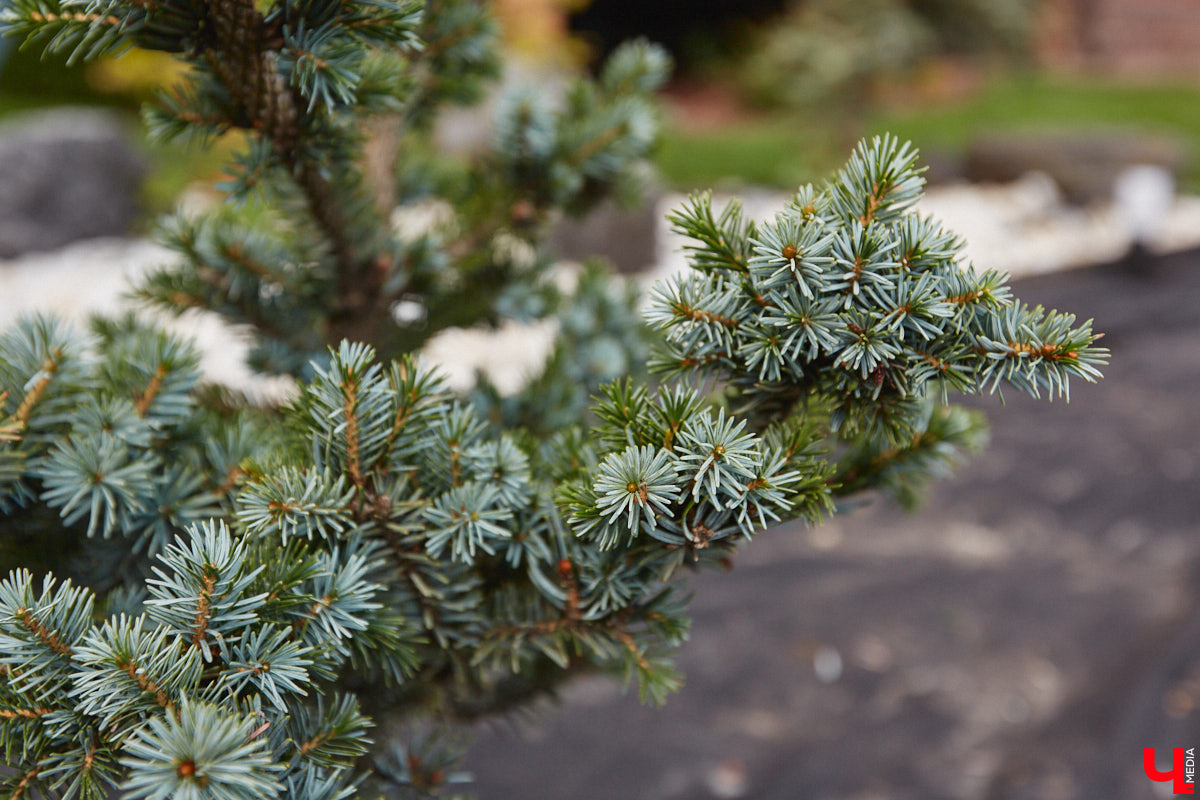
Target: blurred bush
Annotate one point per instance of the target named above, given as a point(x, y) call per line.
point(837, 52)
point(29, 80)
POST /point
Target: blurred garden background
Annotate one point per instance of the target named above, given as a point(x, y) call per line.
point(774, 92)
point(1031, 627)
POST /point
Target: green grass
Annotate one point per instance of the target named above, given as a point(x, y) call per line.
point(769, 152)
point(1039, 103)
point(782, 153)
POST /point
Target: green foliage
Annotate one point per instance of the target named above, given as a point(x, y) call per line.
point(246, 575)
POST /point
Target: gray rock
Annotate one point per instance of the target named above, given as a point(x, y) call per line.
point(68, 174)
point(1084, 165)
point(626, 237)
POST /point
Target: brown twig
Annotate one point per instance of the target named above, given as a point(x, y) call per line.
point(50, 367)
point(146, 398)
point(48, 637)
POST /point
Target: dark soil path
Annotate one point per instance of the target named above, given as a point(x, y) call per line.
point(1023, 635)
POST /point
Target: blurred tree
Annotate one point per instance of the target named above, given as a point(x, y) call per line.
point(258, 579)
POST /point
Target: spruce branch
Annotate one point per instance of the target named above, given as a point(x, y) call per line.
point(723, 242)
point(444, 556)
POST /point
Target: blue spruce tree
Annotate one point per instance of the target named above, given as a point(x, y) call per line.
point(230, 579)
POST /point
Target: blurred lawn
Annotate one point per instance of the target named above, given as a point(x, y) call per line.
point(769, 151)
point(784, 153)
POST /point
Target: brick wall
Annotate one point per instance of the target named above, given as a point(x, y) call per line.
point(1136, 38)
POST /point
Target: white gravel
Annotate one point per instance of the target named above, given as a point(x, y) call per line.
point(93, 276)
point(1023, 228)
